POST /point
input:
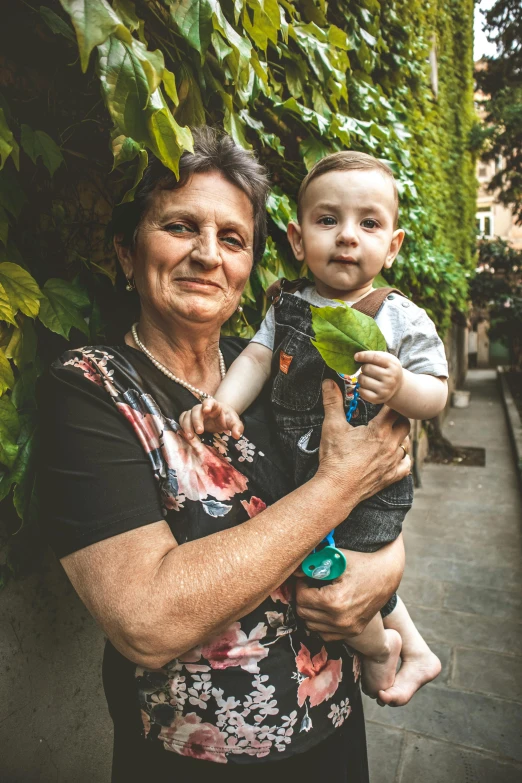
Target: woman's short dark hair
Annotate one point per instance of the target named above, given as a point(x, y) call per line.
point(214, 150)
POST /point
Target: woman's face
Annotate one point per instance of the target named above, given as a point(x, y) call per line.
point(194, 251)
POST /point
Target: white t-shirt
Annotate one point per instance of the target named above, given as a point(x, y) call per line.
point(409, 332)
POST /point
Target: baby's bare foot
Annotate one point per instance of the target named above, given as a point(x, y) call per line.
point(378, 673)
point(416, 670)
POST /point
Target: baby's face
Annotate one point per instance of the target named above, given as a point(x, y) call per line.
point(346, 234)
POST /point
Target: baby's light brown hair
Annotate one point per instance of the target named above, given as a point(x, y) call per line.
point(348, 161)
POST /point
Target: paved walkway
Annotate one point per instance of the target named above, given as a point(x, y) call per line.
point(462, 584)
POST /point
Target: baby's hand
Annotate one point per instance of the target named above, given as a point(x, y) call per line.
point(211, 416)
point(381, 376)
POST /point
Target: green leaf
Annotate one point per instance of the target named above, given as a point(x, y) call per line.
point(193, 18)
point(169, 140)
point(6, 311)
point(37, 144)
point(9, 430)
point(94, 21)
point(127, 12)
point(8, 143)
point(190, 110)
point(24, 474)
point(312, 151)
point(265, 276)
point(23, 396)
point(124, 149)
point(340, 332)
point(235, 128)
point(21, 288)
point(22, 345)
point(126, 88)
point(62, 306)
point(169, 82)
point(6, 374)
point(56, 24)
point(143, 160)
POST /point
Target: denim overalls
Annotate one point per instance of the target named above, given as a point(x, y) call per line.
point(298, 371)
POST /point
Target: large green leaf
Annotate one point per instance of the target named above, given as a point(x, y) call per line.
point(8, 143)
point(6, 374)
point(9, 430)
point(125, 86)
point(193, 18)
point(94, 21)
point(6, 311)
point(23, 474)
point(340, 332)
point(62, 306)
point(21, 288)
point(37, 144)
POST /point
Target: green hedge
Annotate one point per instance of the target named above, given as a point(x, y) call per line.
point(89, 87)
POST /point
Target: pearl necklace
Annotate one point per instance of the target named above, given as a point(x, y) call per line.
point(161, 367)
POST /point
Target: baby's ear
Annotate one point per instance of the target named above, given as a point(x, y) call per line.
point(294, 234)
point(395, 246)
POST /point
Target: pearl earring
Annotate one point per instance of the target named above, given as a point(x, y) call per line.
point(130, 284)
point(239, 309)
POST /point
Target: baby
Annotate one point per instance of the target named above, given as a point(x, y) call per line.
point(346, 232)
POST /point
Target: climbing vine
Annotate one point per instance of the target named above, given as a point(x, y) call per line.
point(88, 88)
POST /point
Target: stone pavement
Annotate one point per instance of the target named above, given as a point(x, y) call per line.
point(462, 585)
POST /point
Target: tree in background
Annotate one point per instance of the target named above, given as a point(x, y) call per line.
point(88, 88)
point(500, 79)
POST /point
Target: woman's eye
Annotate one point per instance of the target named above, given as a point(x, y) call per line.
point(369, 223)
point(178, 228)
point(231, 240)
point(327, 221)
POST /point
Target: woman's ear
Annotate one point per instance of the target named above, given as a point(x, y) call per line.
point(395, 246)
point(295, 238)
point(124, 256)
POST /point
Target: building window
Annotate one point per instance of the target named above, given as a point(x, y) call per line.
point(483, 172)
point(484, 223)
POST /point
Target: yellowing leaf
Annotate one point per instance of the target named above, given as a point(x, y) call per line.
point(38, 144)
point(21, 288)
point(22, 345)
point(94, 21)
point(6, 311)
point(9, 429)
point(6, 374)
point(340, 332)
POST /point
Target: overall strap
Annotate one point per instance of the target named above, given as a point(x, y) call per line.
point(372, 303)
point(288, 286)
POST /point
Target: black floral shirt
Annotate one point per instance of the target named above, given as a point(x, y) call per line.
point(115, 460)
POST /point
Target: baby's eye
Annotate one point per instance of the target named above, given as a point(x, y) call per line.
point(327, 221)
point(369, 223)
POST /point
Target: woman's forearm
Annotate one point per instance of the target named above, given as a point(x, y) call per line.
point(204, 585)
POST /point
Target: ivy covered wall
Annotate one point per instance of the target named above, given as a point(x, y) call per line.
point(87, 88)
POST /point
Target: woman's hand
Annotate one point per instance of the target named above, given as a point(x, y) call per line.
point(374, 454)
point(344, 608)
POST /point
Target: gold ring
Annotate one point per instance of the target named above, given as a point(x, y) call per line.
point(404, 449)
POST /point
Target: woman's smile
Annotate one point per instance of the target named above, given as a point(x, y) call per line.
point(197, 283)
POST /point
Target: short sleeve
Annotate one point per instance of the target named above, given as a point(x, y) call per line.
point(266, 334)
point(94, 478)
point(421, 350)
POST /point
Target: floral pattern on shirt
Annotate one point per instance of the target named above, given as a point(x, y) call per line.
point(265, 684)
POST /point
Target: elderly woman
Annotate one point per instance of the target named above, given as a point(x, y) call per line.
point(218, 661)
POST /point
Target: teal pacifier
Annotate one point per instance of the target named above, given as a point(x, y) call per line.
point(325, 563)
